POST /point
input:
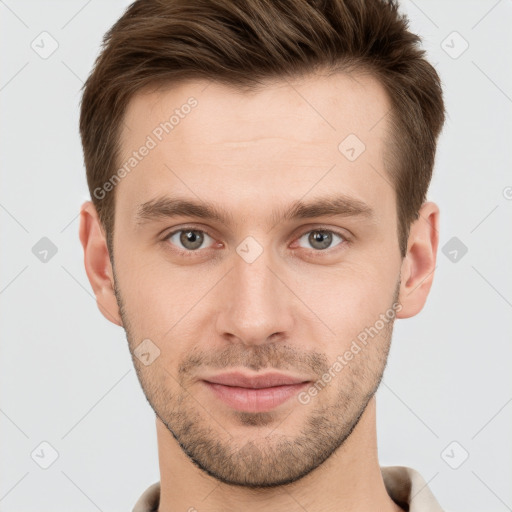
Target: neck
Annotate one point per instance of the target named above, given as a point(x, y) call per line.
point(350, 480)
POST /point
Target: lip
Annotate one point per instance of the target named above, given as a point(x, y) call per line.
point(266, 380)
point(254, 393)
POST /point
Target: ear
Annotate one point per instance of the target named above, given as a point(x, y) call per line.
point(97, 263)
point(417, 271)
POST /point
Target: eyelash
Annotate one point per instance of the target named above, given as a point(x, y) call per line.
point(187, 253)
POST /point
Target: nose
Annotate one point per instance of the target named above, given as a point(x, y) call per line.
point(256, 305)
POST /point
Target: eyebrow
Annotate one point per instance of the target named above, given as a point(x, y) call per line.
point(170, 207)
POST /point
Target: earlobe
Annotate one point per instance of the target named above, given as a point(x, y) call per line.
point(417, 272)
point(97, 263)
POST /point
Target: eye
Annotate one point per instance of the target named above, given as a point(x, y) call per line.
point(321, 239)
point(188, 240)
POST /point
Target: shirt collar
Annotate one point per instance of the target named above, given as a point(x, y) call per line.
point(405, 486)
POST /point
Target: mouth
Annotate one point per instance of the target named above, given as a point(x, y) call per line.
point(254, 393)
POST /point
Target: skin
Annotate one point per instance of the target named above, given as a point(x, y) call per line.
point(295, 308)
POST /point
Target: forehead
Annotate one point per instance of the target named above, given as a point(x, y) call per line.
point(321, 107)
point(252, 149)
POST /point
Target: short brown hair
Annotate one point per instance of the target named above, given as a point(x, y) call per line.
point(244, 42)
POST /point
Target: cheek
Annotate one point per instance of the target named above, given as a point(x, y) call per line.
point(160, 299)
point(348, 298)
point(150, 295)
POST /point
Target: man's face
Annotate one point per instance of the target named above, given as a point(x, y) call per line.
point(259, 291)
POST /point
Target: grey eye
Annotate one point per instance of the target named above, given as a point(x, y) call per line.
point(190, 239)
point(319, 239)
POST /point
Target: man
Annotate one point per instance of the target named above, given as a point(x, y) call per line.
point(258, 173)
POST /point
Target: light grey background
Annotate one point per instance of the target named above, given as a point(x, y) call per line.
point(66, 376)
